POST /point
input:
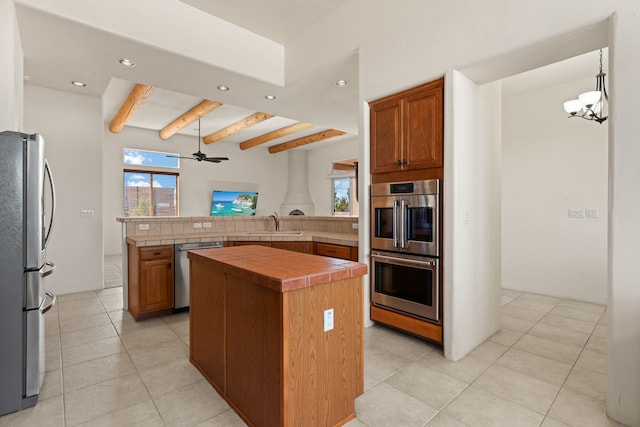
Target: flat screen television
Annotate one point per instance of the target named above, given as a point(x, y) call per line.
point(233, 203)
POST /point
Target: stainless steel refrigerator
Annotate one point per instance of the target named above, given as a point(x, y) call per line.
point(27, 206)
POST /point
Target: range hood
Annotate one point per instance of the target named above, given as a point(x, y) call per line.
point(298, 197)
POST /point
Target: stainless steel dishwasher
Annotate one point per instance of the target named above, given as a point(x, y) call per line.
point(182, 271)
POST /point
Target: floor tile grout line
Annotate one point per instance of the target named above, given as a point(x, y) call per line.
point(493, 363)
point(573, 365)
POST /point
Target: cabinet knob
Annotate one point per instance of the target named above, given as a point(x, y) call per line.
point(404, 162)
point(399, 163)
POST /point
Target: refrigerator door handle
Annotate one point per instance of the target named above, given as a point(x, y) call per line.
point(53, 202)
point(51, 304)
point(48, 272)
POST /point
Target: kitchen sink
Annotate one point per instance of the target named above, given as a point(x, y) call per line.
point(275, 233)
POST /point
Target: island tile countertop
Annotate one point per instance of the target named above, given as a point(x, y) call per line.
point(278, 269)
point(346, 239)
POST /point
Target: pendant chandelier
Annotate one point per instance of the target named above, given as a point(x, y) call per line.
point(591, 105)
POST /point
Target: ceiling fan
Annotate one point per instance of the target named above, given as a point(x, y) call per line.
point(199, 155)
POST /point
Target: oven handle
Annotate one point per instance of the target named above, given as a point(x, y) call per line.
point(404, 261)
point(395, 223)
point(403, 224)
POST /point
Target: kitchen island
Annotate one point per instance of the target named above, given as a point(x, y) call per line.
point(279, 334)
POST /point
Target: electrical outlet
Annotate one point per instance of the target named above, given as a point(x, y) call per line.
point(576, 213)
point(143, 226)
point(328, 319)
point(592, 213)
point(354, 225)
point(197, 225)
point(86, 213)
point(206, 224)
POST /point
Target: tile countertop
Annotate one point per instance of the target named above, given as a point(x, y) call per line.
point(278, 269)
point(346, 239)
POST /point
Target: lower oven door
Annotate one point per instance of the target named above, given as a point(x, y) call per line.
point(405, 283)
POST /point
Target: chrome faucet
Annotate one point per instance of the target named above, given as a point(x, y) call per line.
point(276, 220)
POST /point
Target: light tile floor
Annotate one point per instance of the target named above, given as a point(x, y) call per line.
point(112, 271)
point(546, 367)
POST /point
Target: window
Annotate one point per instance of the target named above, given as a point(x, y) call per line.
point(132, 156)
point(150, 193)
point(344, 188)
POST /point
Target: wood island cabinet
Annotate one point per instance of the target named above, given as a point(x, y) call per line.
point(151, 285)
point(258, 333)
point(407, 129)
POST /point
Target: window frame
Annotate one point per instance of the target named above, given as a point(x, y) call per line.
point(353, 203)
point(151, 190)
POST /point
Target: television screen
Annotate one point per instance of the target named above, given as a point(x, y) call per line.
point(227, 203)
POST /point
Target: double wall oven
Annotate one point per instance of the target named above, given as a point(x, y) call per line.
point(405, 247)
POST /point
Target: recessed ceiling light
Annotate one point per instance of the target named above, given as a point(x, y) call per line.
point(223, 88)
point(270, 97)
point(127, 62)
point(342, 83)
point(77, 83)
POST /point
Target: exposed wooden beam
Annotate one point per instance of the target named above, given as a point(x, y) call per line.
point(199, 111)
point(344, 167)
point(326, 134)
point(137, 96)
point(236, 127)
point(278, 133)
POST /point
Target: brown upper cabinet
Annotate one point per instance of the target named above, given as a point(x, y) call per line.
point(407, 129)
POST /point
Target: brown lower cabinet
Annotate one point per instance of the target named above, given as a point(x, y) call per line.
point(151, 285)
point(296, 246)
point(336, 251)
point(265, 351)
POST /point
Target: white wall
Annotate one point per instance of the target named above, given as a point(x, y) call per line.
point(11, 56)
point(250, 170)
point(624, 228)
point(552, 164)
point(472, 243)
point(320, 162)
point(71, 126)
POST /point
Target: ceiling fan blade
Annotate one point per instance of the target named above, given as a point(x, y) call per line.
point(199, 155)
point(181, 157)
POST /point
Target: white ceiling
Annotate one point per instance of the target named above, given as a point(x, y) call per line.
point(277, 20)
point(58, 50)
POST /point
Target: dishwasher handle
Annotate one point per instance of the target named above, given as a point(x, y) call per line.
point(181, 249)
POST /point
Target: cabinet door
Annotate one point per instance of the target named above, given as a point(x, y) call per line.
point(386, 136)
point(156, 285)
point(423, 129)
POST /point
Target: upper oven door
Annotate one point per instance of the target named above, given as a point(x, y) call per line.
point(385, 234)
point(407, 224)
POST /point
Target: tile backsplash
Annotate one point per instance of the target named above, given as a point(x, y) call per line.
point(163, 226)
